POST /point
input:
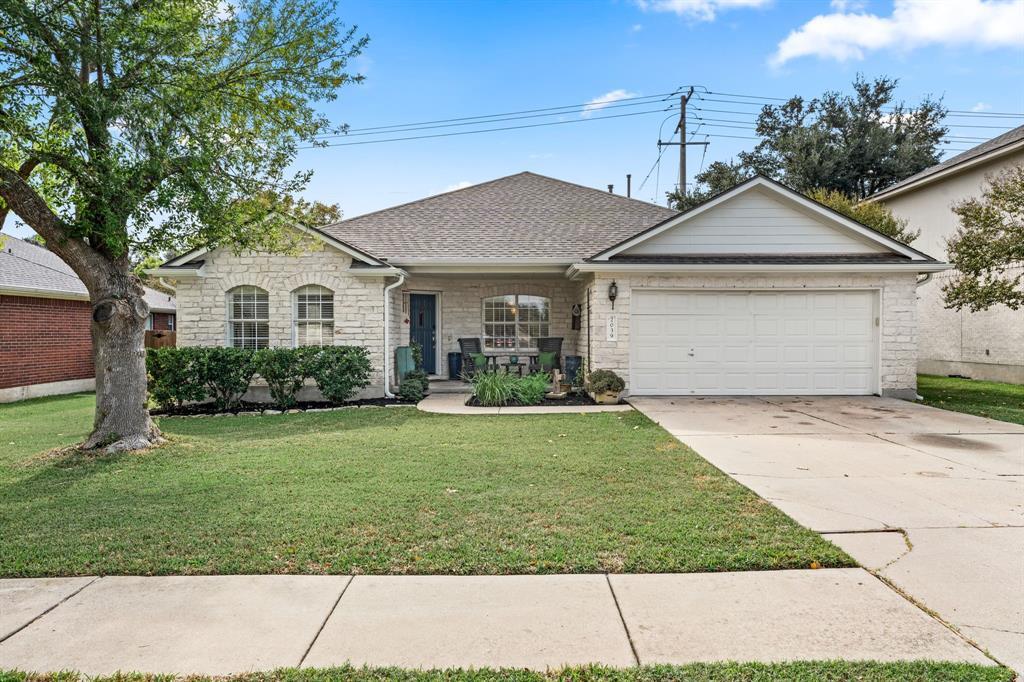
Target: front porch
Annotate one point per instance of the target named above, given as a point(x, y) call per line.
point(506, 313)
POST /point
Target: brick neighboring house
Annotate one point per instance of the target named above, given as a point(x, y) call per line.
point(45, 316)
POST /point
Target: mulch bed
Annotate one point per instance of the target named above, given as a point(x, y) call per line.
point(245, 407)
point(572, 400)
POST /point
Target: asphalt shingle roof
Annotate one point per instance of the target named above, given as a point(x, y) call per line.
point(23, 265)
point(1009, 137)
point(525, 216)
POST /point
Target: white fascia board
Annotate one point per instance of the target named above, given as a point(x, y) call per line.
point(781, 268)
point(177, 273)
point(814, 207)
point(32, 292)
point(946, 172)
point(375, 272)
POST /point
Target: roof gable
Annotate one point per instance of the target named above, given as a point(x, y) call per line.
point(1010, 141)
point(759, 217)
point(357, 254)
point(519, 217)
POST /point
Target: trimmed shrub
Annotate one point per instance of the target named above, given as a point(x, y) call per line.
point(173, 375)
point(530, 390)
point(284, 370)
point(414, 385)
point(339, 371)
point(606, 381)
point(226, 373)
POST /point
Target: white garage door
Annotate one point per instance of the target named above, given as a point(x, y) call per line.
point(753, 342)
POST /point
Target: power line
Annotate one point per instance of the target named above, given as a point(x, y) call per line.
point(486, 130)
point(497, 118)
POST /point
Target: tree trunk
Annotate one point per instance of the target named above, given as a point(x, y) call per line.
point(118, 329)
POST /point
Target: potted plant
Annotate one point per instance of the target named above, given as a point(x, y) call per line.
point(605, 386)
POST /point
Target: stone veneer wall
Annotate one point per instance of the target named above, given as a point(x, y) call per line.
point(462, 308)
point(988, 344)
point(358, 301)
point(898, 315)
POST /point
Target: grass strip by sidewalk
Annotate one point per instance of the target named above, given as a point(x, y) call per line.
point(991, 399)
point(812, 671)
point(380, 491)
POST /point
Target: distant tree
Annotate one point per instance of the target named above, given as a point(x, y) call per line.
point(309, 213)
point(873, 214)
point(131, 126)
point(856, 144)
point(719, 177)
point(988, 245)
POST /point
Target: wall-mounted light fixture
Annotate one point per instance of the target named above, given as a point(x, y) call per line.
point(613, 293)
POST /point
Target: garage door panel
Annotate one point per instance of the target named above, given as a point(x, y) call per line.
point(765, 342)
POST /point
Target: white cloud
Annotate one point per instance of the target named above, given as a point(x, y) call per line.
point(981, 106)
point(914, 23)
point(698, 10)
point(604, 100)
point(636, 28)
point(458, 185)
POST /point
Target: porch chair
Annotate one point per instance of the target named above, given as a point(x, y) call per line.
point(471, 350)
point(548, 344)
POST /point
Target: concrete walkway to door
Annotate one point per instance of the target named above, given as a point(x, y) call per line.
point(931, 500)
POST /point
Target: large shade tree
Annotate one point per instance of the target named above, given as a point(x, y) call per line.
point(145, 126)
point(855, 144)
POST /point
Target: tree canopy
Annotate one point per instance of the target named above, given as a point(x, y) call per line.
point(146, 126)
point(873, 214)
point(856, 144)
point(988, 247)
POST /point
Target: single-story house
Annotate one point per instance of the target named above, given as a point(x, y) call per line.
point(987, 344)
point(45, 323)
point(756, 291)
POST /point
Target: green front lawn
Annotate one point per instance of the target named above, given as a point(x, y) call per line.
point(380, 490)
point(984, 398)
point(813, 671)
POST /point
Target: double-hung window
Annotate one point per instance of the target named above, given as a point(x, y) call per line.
point(248, 318)
point(514, 322)
point(313, 316)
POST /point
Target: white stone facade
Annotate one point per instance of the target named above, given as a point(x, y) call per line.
point(358, 300)
point(359, 307)
point(898, 326)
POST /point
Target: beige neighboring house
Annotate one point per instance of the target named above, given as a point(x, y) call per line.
point(759, 290)
point(982, 345)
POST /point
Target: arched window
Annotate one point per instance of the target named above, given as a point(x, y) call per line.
point(313, 316)
point(514, 322)
point(248, 317)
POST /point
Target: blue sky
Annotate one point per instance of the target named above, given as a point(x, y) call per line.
point(436, 60)
point(431, 60)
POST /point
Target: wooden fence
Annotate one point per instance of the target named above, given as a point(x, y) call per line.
point(159, 338)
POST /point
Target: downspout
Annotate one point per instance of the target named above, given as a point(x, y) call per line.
point(927, 278)
point(387, 333)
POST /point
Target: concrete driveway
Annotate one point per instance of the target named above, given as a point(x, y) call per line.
point(931, 500)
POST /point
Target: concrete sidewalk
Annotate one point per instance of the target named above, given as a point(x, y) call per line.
point(229, 624)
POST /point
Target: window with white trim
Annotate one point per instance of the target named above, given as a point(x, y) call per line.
point(514, 322)
point(313, 316)
point(248, 318)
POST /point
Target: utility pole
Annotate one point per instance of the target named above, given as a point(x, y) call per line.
point(681, 127)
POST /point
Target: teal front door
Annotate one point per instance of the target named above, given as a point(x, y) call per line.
point(423, 328)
